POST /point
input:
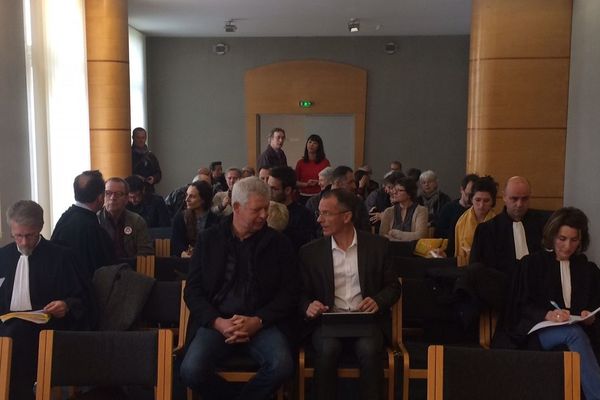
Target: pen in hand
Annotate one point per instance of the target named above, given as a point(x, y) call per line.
point(555, 305)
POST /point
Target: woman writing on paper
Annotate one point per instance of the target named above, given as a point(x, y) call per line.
point(562, 275)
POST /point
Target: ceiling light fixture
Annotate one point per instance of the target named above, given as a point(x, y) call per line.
point(230, 27)
point(353, 25)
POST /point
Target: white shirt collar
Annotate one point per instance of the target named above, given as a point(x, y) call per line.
point(82, 205)
point(334, 245)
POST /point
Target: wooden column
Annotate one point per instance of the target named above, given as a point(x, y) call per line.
point(108, 86)
point(518, 93)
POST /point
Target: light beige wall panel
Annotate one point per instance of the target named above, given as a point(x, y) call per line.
point(107, 30)
point(537, 154)
point(520, 28)
point(526, 93)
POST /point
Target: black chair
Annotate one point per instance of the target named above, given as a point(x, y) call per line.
point(427, 318)
point(163, 307)
point(109, 358)
point(458, 373)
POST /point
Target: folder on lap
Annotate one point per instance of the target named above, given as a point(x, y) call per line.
point(348, 324)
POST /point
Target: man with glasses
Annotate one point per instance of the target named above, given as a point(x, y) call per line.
point(128, 230)
point(35, 274)
point(345, 271)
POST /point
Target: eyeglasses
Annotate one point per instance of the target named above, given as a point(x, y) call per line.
point(117, 195)
point(27, 236)
point(326, 214)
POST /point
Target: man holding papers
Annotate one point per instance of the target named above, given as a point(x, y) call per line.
point(346, 270)
point(35, 274)
point(560, 282)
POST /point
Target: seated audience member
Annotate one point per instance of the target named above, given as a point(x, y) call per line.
point(273, 156)
point(218, 178)
point(483, 198)
point(309, 166)
point(406, 220)
point(347, 253)
point(143, 162)
point(365, 185)
point(396, 166)
point(414, 173)
point(325, 178)
point(301, 227)
point(263, 174)
point(175, 200)
point(379, 200)
point(127, 230)
point(278, 216)
point(498, 245)
point(221, 204)
point(559, 282)
point(242, 291)
point(194, 219)
point(452, 211)
point(36, 274)
point(78, 227)
point(431, 197)
point(149, 206)
point(343, 178)
point(248, 171)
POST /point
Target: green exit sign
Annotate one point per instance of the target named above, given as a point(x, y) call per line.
point(305, 103)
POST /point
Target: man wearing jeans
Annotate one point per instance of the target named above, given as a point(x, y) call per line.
point(241, 292)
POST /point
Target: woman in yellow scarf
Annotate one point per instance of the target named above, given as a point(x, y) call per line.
point(483, 198)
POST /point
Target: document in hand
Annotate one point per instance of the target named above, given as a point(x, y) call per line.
point(37, 317)
point(572, 320)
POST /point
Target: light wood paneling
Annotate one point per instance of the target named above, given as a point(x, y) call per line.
point(107, 30)
point(108, 93)
point(108, 86)
point(526, 93)
point(111, 152)
point(521, 28)
point(334, 88)
point(518, 93)
point(537, 154)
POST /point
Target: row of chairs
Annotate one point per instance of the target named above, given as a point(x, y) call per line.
point(145, 358)
point(169, 295)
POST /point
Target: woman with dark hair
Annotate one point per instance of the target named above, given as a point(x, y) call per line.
point(405, 220)
point(558, 283)
point(309, 166)
point(195, 218)
point(483, 199)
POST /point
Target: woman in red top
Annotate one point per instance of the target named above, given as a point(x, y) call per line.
point(309, 166)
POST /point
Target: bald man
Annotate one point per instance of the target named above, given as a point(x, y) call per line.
point(512, 234)
point(498, 245)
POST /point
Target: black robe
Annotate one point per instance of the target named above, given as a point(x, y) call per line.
point(539, 283)
point(78, 229)
point(53, 275)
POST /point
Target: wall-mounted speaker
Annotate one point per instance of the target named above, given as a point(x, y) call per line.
point(220, 49)
point(391, 48)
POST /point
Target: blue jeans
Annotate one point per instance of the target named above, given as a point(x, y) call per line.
point(575, 338)
point(269, 348)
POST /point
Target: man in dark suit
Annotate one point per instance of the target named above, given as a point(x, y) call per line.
point(347, 270)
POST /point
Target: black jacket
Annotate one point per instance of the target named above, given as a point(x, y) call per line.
point(274, 270)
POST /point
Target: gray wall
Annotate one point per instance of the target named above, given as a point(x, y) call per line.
point(14, 152)
point(582, 188)
point(416, 102)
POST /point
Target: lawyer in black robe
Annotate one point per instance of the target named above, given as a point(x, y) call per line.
point(53, 275)
point(78, 229)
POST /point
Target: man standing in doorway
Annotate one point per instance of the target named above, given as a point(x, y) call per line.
point(273, 156)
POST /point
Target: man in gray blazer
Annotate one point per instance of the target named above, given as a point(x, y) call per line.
point(347, 270)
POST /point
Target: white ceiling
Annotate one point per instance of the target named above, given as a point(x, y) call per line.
point(300, 17)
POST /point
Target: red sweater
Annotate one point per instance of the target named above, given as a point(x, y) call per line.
point(310, 170)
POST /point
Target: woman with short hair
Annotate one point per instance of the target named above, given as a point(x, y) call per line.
point(405, 220)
